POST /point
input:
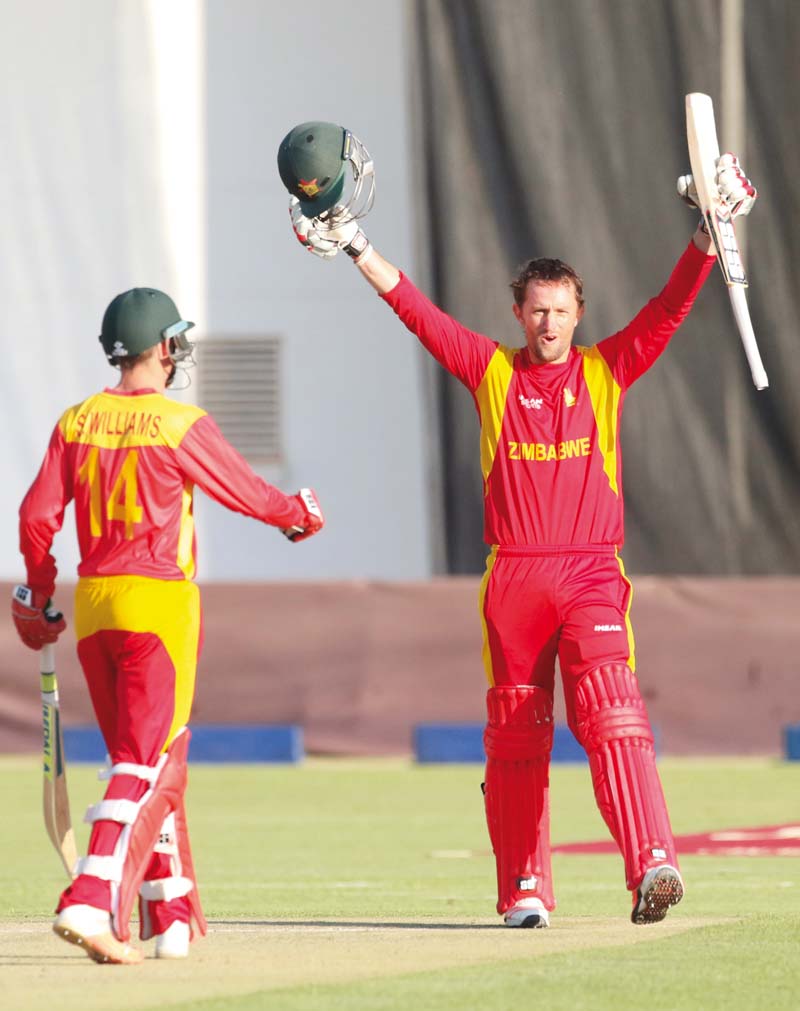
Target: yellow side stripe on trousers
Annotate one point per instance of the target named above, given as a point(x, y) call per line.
point(628, 625)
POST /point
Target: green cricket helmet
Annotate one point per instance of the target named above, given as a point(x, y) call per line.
point(137, 320)
point(312, 162)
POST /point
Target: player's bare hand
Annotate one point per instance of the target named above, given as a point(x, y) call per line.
point(37, 622)
point(312, 522)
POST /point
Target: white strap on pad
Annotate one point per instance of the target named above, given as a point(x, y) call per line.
point(119, 810)
point(165, 889)
point(106, 868)
point(149, 773)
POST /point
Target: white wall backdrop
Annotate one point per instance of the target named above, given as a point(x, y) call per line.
point(140, 139)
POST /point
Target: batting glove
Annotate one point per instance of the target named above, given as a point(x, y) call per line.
point(687, 191)
point(307, 235)
point(36, 620)
point(313, 521)
point(337, 226)
point(735, 189)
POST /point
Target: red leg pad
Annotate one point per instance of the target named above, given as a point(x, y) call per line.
point(198, 920)
point(518, 742)
point(165, 797)
point(155, 917)
point(611, 723)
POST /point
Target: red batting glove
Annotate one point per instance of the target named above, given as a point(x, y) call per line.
point(36, 620)
point(312, 522)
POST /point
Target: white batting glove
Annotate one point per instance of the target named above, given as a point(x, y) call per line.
point(307, 235)
point(687, 191)
point(735, 189)
point(345, 232)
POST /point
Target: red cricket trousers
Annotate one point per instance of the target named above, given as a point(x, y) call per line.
point(138, 644)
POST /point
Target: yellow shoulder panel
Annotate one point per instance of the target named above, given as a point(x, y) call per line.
point(491, 396)
point(114, 422)
point(604, 394)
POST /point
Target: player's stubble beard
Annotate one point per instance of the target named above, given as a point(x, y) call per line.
point(550, 352)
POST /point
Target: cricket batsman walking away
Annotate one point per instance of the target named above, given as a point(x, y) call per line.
point(554, 584)
point(129, 458)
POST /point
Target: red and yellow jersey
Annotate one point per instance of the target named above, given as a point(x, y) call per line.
point(549, 434)
point(130, 462)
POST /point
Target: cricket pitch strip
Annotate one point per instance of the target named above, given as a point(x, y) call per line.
point(241, 956)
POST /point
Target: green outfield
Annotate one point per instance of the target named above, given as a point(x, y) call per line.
point(365, 885)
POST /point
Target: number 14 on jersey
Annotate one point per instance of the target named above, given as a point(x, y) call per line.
point(122, 504)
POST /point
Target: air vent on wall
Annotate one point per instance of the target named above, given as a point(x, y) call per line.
point(239, 387)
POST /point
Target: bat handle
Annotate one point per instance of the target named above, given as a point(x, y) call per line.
point(48, 685)
point(47, 659)
point(743, 322)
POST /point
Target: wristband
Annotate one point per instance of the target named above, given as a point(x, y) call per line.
point(361, 260)
point(357, 245)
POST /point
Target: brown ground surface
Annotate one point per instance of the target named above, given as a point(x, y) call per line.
point(357, 664)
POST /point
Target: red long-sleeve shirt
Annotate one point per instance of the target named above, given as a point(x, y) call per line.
point(130, 461)
point(549, 434)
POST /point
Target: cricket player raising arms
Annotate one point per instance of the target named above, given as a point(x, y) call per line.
point(554, 583)
point(129, 457)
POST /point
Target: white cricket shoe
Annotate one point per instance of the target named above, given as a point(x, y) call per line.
point(527, 913)
point(661, 888)
point(174, 942)
point(90, 929)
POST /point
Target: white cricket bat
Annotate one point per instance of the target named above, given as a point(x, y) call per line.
point(57, 818)
point(701, 133)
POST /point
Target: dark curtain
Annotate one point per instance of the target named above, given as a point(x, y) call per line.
point(556, 128)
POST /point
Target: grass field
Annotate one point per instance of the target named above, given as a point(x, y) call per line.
point(357, 885)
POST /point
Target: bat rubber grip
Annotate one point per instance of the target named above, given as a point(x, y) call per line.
point(47, 659)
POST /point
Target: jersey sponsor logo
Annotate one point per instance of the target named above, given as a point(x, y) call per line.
point(569, 397)
point(531, 403)
point(608, 628)
point(541, 452)
point(118, 423)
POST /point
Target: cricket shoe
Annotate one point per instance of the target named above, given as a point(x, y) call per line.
point(527, 913)
point(174, 942)
point(90, 929)
point(661, 888)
